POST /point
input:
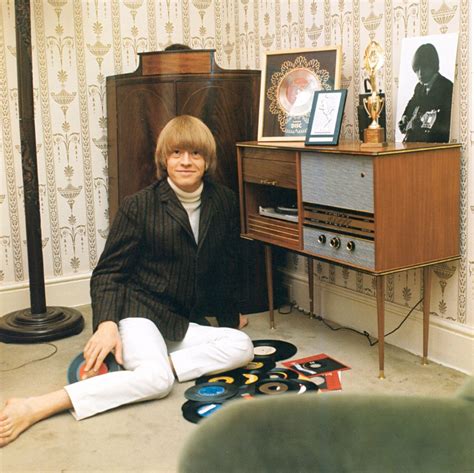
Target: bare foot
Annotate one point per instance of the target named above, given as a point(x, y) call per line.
point(243, 321)
point(15, 417)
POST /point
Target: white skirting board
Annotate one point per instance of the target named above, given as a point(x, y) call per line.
point(450, 344)
point(68, 291)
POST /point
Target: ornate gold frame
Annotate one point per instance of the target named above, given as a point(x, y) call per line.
point(289, 80)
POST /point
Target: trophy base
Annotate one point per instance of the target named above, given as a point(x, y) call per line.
point(374, 138)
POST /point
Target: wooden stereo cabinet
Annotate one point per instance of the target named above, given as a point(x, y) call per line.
point(375, 210)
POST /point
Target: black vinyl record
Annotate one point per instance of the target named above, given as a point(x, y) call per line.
point(228, 377)
point(257, 365)
point(276, 387)
point(76, 373)
point(306, 386)
point(211, 392)
point(320, 381)
point(323, 365)
point(281, 373)
point(196, 411)
point(273, 350)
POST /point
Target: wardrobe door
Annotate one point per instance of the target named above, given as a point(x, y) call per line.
point(145, 106)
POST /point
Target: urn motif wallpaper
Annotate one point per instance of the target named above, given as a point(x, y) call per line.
point(77, 43)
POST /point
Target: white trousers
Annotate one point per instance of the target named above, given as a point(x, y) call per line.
point(147, 371)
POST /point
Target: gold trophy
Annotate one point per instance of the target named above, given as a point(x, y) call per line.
point(374, 135)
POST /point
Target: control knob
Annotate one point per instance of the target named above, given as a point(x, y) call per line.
point(350, 246)
point(335, 242)
point(322, 239)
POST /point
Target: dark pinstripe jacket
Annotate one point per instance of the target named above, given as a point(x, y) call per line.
point(152, 267)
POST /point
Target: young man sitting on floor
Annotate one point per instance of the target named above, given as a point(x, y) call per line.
point(170, 259)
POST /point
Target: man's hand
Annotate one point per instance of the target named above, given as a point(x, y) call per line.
point(106, 339)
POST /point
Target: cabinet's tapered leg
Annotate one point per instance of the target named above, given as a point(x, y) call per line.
point(380, 288)
point(269, 274)
point(311, 286)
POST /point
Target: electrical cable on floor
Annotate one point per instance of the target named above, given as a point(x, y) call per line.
point(364, 333)
point(55, 349)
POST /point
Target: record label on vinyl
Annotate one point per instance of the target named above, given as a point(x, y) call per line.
point(258, 365)
point(281, 373)
point(229, 377)
point(264, 351)
point(196, 411)
point(273, 350)
point(76, 371)
point(211, 392)
point(276, 387)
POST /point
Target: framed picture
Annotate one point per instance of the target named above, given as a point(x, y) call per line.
point(326, 117)
point(289, 80)
point(425, 88)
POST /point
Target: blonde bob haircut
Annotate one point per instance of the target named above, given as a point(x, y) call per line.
point(186, 133)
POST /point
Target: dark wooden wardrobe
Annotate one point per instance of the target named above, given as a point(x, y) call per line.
point(171, 83)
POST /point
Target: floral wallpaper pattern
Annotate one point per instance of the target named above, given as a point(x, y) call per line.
point(77, 43)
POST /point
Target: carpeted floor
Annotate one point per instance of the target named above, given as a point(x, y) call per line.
point(147, 437)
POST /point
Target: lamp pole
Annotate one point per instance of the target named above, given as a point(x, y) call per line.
point(38, 323)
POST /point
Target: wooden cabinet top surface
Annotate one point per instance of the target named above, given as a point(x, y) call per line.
point(351, 147)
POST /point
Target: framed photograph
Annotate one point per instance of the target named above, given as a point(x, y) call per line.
point(425, 88)
point(326, 117)
point(289, 80)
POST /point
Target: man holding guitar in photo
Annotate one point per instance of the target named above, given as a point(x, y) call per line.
point(427, 115)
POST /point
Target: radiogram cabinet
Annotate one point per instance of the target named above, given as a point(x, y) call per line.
point(171, 83)
point(376, 210)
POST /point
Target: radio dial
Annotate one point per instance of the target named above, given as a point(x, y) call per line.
point(350, 246)
point(335, 242)
point(322, 239)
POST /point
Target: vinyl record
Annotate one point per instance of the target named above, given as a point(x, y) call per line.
point(247, 391)
point(211, 392)
point(258, 365)
point(306, 386)
point(323, 365)
point(196, 411)
point(281, 373)
point(320, 381)
point(252, 377)
point(76, 373)
point(229, 377)
point(273, 350)
point(274, 387)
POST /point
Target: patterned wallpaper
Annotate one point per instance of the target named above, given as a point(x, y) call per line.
point(77, 43)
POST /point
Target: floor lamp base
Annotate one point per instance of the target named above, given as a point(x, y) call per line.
point(22, 326)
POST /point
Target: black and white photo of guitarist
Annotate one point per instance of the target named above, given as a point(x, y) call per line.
point(427, 116)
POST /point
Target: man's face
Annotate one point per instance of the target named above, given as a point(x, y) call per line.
point(186, 169)
point(425, 73)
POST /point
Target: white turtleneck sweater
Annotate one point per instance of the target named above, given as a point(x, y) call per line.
point(191, 202)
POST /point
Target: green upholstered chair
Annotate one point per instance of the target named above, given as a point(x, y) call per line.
point(336, 432)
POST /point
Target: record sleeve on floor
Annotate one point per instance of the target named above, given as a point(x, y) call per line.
point(315, 365)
